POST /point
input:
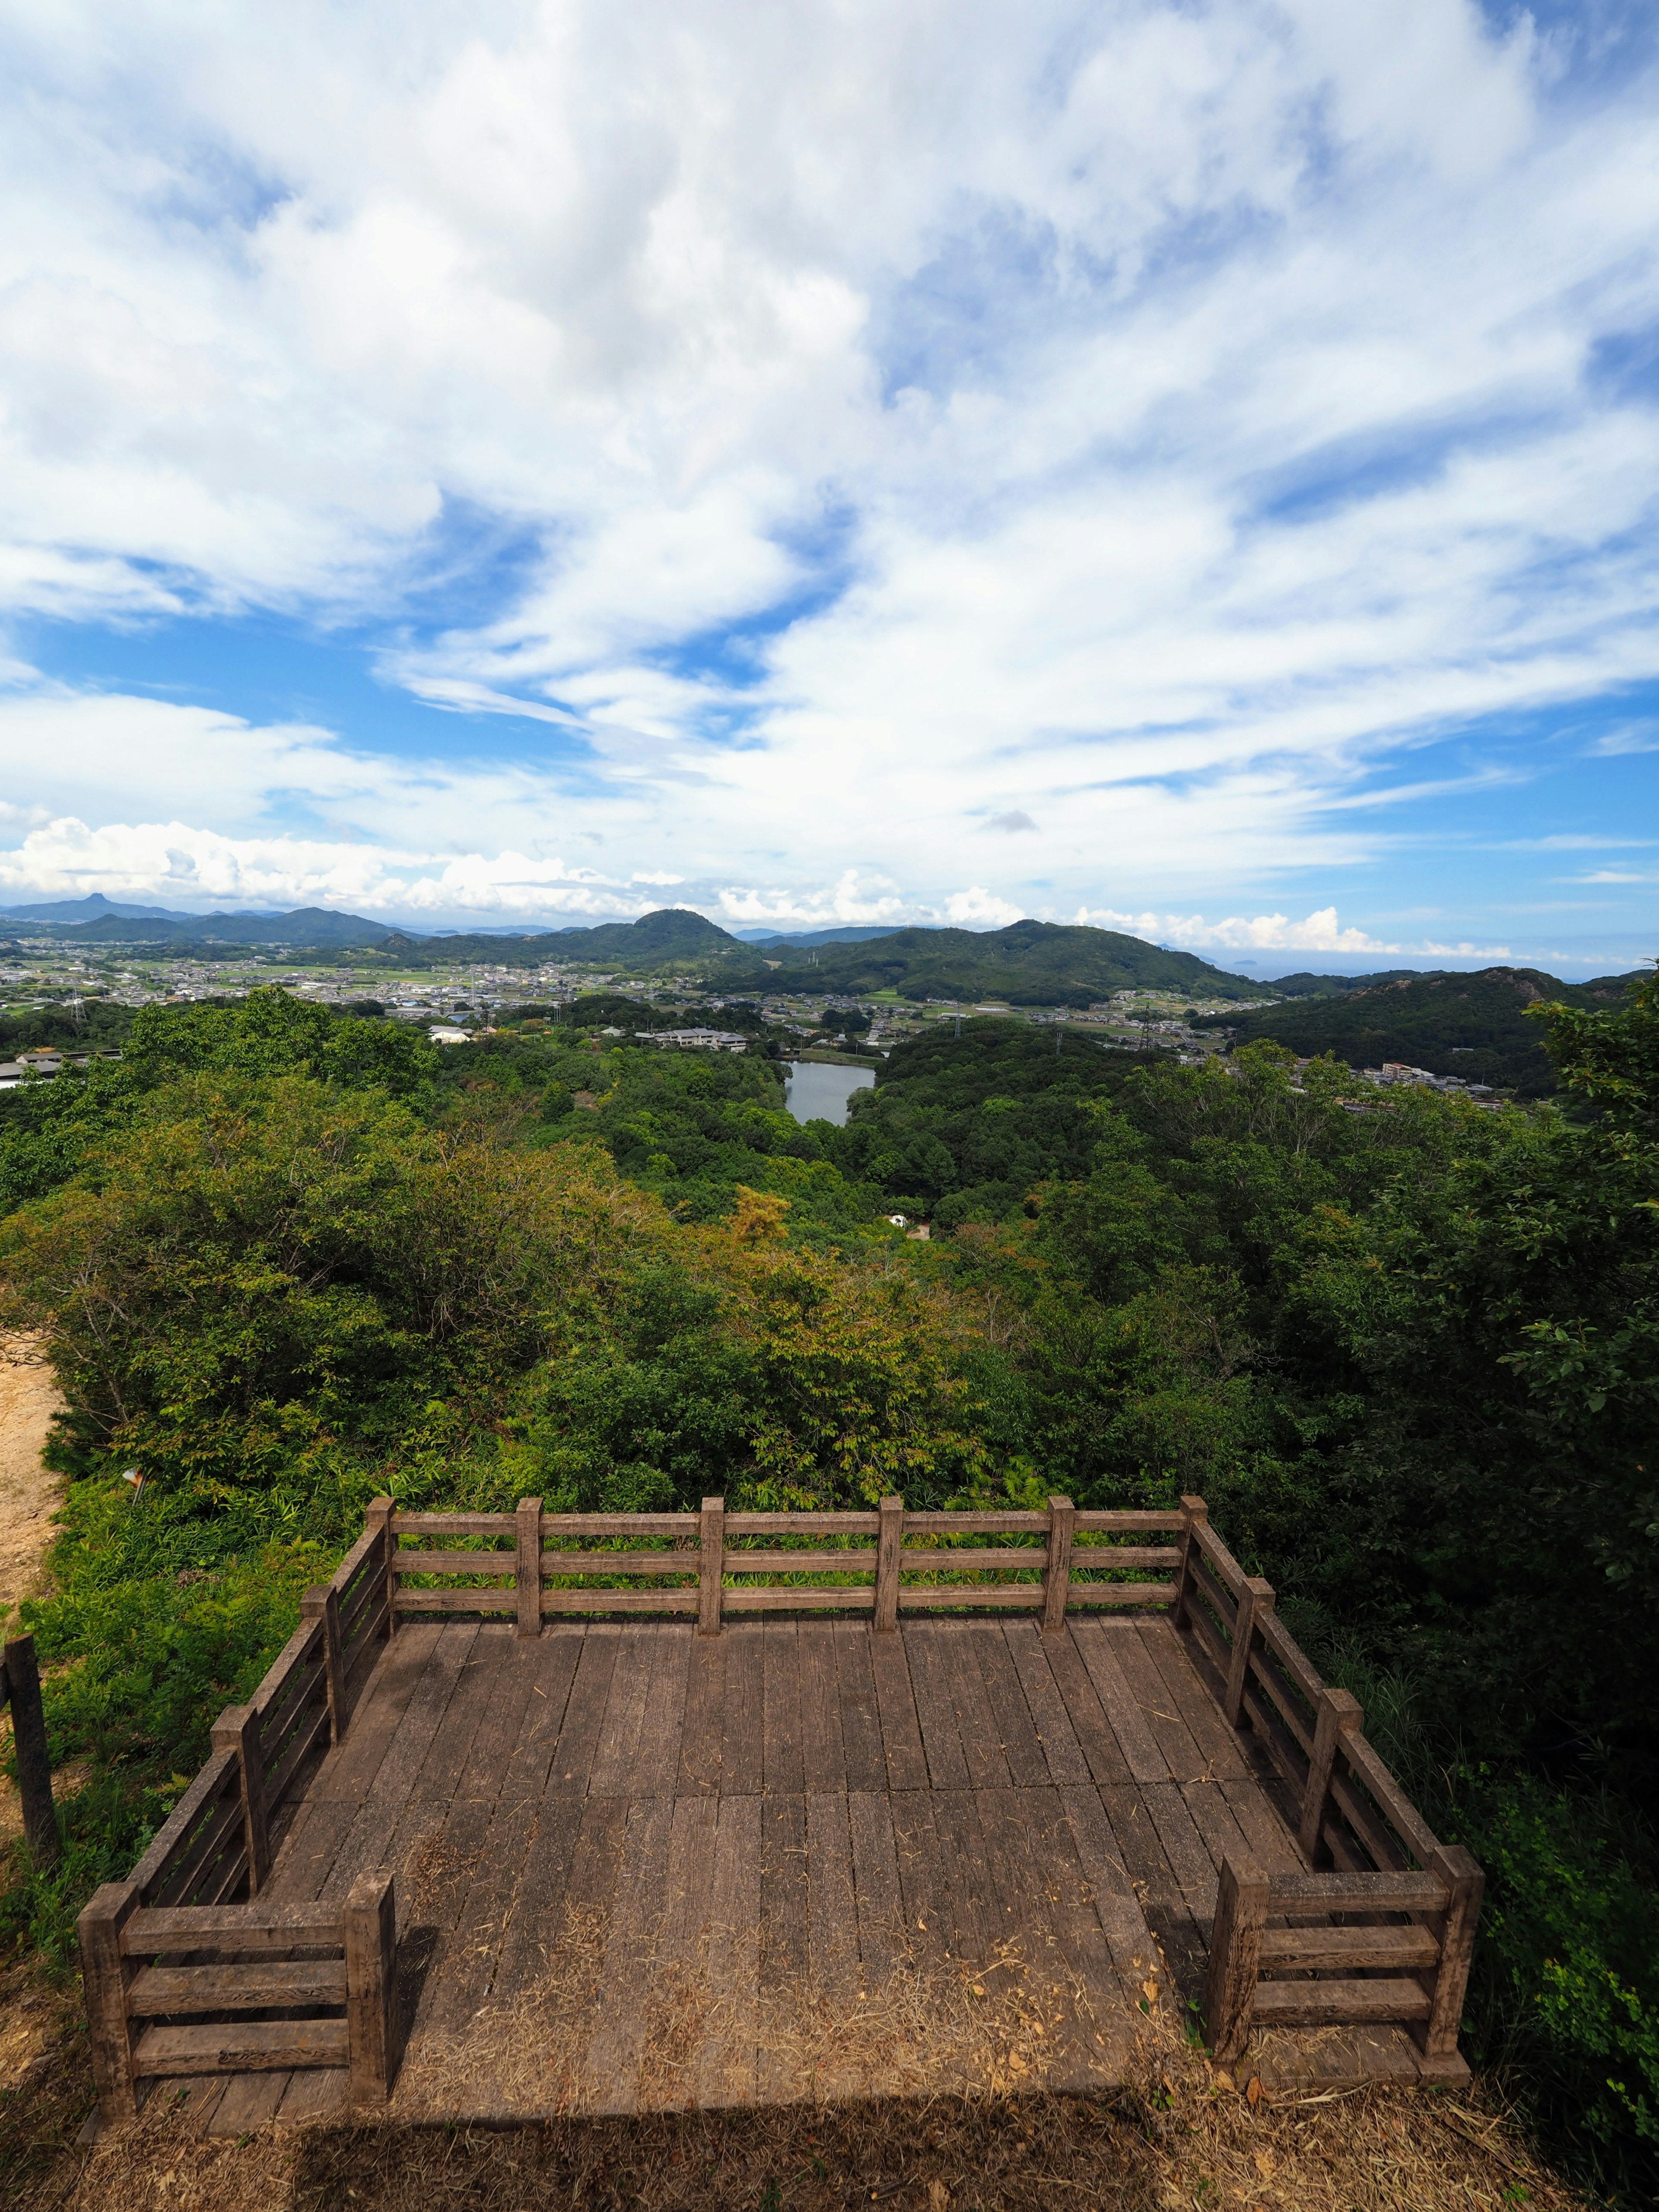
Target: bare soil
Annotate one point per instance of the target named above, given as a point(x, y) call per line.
point(28, 1495)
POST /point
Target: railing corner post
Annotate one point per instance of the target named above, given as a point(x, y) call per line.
point(1194, 1513)
point(1466, 1884)
point(379, 1516)
point(28, 1738)
point(322, 1602)
point(889, 1545)
point(371, 1962)
point(1241, 1914)
point(1338, 1715)
point(1255, 1599)
point(237, 1729)
point(711, 1565)
point(104, 1978)
point(527, 1578)
point(1057, 1566)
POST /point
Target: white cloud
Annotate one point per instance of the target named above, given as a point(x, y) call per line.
point(978, 908)
point(1119, 423)
point(1277, 932)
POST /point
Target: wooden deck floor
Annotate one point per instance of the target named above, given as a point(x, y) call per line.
point(639, 1869)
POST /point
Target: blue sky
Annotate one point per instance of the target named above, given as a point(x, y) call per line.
point(1192, 468)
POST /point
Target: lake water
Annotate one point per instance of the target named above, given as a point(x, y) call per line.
point(815, 1092)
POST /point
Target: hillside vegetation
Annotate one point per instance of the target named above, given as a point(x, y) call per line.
point(282, 1260)
point(1476, 1027)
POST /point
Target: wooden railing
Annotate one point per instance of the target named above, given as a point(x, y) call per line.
point(169, 1943)
point(534, 1565)
point(1385, 1937)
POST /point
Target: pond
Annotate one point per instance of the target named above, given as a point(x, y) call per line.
point(816, 1092)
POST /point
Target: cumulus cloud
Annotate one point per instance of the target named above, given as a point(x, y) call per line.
point(865, 412)
point(1277, 932)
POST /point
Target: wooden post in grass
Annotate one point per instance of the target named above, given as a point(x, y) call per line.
point(237, 1729)
point(104, 1978)
point(322, 1602)
point(1241, 1914)
point(889, 1543)
point(1466, 1883)
point(21, 1682)
point(527, 1578)
point(711, 1565)
point(1057, 1566)
point(1254, 1599)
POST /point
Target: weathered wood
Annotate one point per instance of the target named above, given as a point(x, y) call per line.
point(740, 1562)
point(1338, 2004)
point(1216, 1557)
point(1466, 1885)
point(1299, 1669)
point(967, 1559)
point(1364, 1764)
point(365, 1550)
point(323, 1603)
point(257, 1930)
point(918, 1597)
point(1057, 1566)
point(1231, 1994)
point(1359, 1892)
point(371, 1964)
point(498, 1599)
point(1204, 1588)
point(670, 1560)
point(1215, 1646)
point(303, 1739)
point(214, 1847)
point(237, 1729)
point(459, 1524)
point(380, 1522)
point(1278, 1741)
point(684, 1597)
point(34, 1760)
point(976, 1524)
point(1337, 1716)
point(824, 1761)
point(1346, 1805)
point(1097, 1519)
point(528, 1575)
point(803, 1524)
point(1194, 1513)
point(104, 1976)
point(710, 1545)
point(498, 1562)
point(890, 1544)
point(246, 2047)
point(859, 1713)
point(1347, 1950)
point(158, 1990)
point(1255, 1598)
point(1103, 1558)
point(1266, 1671)
point(557, 1527)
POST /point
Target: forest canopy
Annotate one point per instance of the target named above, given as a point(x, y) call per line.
point(1408, 1349)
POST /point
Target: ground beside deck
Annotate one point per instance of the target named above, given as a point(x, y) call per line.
point(640, 1870)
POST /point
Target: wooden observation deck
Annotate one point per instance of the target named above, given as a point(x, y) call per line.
point(1049, 1777)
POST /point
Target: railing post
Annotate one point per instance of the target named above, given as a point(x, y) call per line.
point(527, 1579)
point(1254, 1599)
point(711, 1565)
point(322, 1602)
point(371, 1963)
point(104, 1978)
point(1057, 1567)
point(889, 1543)
point(28, 1738)
point(1193, 1511)
point(378, 1515)
point(237, 1729)
point(1241, 1914)
point(1337, 1715)
point(1466, 1885)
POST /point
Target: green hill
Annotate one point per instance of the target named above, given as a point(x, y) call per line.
point(1030, 963)
point(1471, 1026)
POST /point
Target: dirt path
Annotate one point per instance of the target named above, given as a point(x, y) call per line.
point(28, 1495)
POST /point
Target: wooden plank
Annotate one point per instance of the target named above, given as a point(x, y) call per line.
point(725, 2061)
point(1347, 1950)
point(740, 1597)
point(824, 1762)
point(802, 1524)
point(969, 1900)
point(936, 1709)
point(1218, 1745)
point(702, 1724)
point(669, 1560)
point(657, 1759)
point(613, 1759)
point(1096, 1518)
point(1015, 1732)
point(859, 1713)
point(743, 1712)
point(249, 2102)
point(557, 1527)
point(976, 1722)
point(1011, 1894)
point(611, 2065)
point(1212, 1816)
point(1089, 1726)
point(832, 1903)
point(348, 1771)
point(157, 1990)
point(923, 1886)
point(1338, 2004)
point(321, 1840)
point(878, 1902)
point(1230, 1988)
point(1140, 1746)
point(536, 1918)
point(315, 2097)
point(782, 1764)
point(495, 1563)
point(159, 1930)
point(1010, 1524)
point(1026, 1597)
point(711, 1565)
point(371, 1958)
point(889, 1545)
point(485, 1907)
point(1358, 1892)
point(1367, 1767)
point(759, 1561)
point(1051, 1729)
point(1159, 1707)
point(453, 1525)
point(1183, 1847)
point(493, 1601)
point(584, 1717)
point(205, 1788)
point(901, 1730)
point(1112, 1894)
point(783, 1900)
point(554, 1674)
point(242, 2046)
point(1142, 1852)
